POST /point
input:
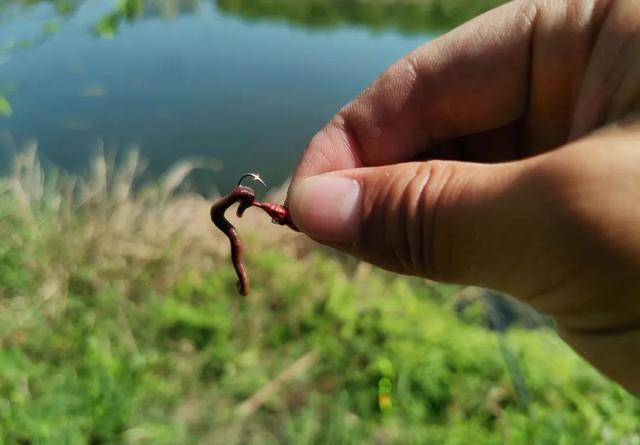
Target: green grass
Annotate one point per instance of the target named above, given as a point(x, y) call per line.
point(120, 323)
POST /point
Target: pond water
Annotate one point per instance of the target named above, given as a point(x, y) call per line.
point(178, 79)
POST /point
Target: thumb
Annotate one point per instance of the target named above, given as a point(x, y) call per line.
point(449, 221)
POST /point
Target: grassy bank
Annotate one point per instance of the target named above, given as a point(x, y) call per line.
point(120, 323)
point(406, 16)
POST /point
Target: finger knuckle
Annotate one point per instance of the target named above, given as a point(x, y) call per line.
point(428, 235)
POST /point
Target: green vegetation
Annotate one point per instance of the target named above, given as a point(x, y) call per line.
point(120, 323)
point(409, 16)
point(62, 7)
point(5, 107)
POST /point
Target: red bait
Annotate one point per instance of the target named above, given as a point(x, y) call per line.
point(245, 197)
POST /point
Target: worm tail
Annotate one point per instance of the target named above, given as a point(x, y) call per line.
point(237, 259)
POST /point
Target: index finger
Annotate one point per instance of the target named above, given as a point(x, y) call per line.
point(472, 79)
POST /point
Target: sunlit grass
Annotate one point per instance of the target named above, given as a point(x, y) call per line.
point(120, 323)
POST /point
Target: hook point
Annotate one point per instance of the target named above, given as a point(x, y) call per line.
point(254, 176)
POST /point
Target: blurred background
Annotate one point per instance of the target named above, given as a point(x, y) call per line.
point(245, 82)
point(120, 323)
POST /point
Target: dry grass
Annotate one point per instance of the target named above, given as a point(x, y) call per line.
point(123, 229)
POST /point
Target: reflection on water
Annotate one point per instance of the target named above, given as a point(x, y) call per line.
point(244, 81)
point(407, 16)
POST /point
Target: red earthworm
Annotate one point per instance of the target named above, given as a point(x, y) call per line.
point(245, 197)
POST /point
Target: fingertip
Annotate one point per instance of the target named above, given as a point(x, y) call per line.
point(327, 207)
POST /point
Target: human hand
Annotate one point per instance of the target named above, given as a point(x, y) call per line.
point(527, 120)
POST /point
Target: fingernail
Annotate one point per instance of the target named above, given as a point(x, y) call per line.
point(327, 207)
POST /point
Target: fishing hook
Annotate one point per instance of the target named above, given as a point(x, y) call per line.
point(254, 176)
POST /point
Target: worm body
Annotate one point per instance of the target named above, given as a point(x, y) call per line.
point(245, 197)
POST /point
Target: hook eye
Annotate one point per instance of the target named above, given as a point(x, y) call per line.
point(254, 176)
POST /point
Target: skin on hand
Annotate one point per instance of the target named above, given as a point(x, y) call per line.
point(504, 154)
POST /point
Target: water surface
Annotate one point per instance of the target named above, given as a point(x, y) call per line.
point(185, 78)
